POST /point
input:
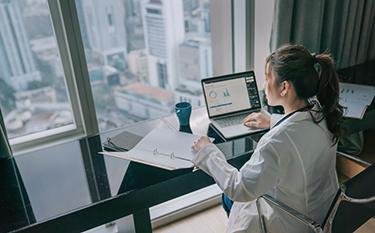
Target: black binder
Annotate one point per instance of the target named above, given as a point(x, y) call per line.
point(124, 141)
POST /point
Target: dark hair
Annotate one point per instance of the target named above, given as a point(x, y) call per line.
point(311, 76)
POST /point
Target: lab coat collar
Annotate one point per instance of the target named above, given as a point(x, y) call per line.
point(306, 116)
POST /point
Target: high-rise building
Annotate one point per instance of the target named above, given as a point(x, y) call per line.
point(144, 101)
point(189, 91)
point(199, 18)
point(195, 63)
point(206, 16)
point(105, 28)
point(163, 23)
point(134, 33)
point(82, 23)
point(17, 65)
point(195, 59)
point(188, 6)
point(45, 49)
point(130, 10)
point(137, 61)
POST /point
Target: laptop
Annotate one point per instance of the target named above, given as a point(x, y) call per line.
point(229, 99)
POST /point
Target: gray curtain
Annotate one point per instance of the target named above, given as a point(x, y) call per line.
point(5, 150)
point(344, 28)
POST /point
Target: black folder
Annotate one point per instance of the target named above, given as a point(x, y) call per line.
point(124, 141)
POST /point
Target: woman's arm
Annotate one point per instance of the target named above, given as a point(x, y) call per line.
point(256, 176)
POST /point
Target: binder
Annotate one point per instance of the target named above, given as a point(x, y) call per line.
point(162, 148)
point(124, 141)
point(356, 98)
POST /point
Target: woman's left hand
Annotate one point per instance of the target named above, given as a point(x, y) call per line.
point(200, 143)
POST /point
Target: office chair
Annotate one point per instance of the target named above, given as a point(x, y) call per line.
point(352, 206)
point(5, 150)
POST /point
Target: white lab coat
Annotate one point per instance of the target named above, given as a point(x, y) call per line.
point(294, 163)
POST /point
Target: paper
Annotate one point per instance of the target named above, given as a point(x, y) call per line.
point(356, 98)
point(162, 148)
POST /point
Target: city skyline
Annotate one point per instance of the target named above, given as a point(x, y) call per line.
point(17, 66)
point(128, 44)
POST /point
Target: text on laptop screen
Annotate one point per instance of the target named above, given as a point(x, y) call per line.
point(231, 95)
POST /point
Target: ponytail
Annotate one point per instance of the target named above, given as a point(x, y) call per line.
point(311, 76)
point(328, 96)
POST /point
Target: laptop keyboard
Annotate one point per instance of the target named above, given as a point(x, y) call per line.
point(229, 121)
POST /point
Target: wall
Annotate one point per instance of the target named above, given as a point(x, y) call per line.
point(221, 37)
point(262, 33)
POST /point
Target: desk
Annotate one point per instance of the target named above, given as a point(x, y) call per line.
point(359, 74)
point(72, 188)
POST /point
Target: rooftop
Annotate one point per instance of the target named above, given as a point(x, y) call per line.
point(145, 90)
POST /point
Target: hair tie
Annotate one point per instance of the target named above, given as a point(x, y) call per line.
point(314, 59)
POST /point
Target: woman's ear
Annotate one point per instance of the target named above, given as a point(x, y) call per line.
point(284, 88)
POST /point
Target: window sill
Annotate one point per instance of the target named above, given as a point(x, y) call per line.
point(183, 206)
point(36, 141)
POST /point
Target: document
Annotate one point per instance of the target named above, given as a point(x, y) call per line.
point(162, 148)
point(356, 98)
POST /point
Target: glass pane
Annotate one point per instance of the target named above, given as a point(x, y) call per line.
point(144, 55)
point(33, 95)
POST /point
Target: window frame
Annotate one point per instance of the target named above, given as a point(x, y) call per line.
point(243, 59)
point(76, 90)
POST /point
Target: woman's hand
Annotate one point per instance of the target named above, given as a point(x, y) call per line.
point(257, 120)
point(200, 143)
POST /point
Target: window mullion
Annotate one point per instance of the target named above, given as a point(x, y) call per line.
point(66, 18)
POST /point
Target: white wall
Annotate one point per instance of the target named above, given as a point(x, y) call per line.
point(262, 33)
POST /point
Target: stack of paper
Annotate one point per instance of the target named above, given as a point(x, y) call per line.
point(162, 148)
point(356, 98)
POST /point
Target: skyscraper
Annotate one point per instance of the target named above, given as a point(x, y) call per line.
point(163, 25)
point(195, 60)
point(105, 28)
point(134, 25)
point(130, 10)
point(17, 65)
point(137, 61)
point(206, 16)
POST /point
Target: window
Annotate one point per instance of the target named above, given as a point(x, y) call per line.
point(140, 56)
point(59, 80)
point(162, 75)
point(161, 46)
point(33, 90)
point(153, 11)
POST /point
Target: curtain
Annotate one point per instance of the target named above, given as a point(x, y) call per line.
point(343, 28)
point(5, 150)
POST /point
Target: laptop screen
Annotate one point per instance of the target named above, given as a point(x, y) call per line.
point(229, 94)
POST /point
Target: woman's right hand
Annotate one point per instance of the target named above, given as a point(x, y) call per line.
point(257, 120)
point(200, 143)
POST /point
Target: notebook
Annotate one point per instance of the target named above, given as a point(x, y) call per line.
point(229, 99)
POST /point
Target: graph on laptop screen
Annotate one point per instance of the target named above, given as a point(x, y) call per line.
point(231, 95)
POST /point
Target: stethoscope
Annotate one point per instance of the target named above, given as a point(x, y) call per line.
point(308, 107)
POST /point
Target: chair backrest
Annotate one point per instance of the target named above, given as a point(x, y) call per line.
point(351, 215)
point(5, 150)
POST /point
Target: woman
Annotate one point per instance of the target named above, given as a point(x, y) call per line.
point(295, 161)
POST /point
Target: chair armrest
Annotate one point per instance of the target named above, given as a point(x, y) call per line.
point(293, 213)
point(357, 200)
